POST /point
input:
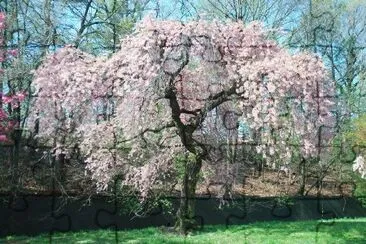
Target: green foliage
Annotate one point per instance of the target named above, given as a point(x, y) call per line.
point(346, 146)
point(285, 201)
point(358, 132)
point(360, 191)
point(342, 148)
point(124, 148)
point(129, 202)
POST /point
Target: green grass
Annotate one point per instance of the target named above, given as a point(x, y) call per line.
point(326, 231)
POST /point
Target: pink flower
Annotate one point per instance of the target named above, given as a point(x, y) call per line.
point(2, 20)
point(2, 16)
point(13, 52)
point(20, 96)
point(7, 99)
point(3, 138)
point(15, 104)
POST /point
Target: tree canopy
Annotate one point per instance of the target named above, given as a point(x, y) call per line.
point(157, 94)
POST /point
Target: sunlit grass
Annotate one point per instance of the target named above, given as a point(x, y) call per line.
point(326, 231)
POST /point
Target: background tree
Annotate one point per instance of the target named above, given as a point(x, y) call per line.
point(11, 96)
point(102, 23)
point(328, 28)
point(274, 14)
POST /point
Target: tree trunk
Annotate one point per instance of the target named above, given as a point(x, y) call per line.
point(60, 174)
point(15, 161)
point(186, 212)
point(303, 177)
point(16, 136)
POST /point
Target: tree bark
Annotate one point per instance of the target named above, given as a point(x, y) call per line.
point(186, 212)
point(303, 177)
point(15, 161)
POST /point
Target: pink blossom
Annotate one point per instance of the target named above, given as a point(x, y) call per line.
point(13, 52)
point(3, 138)
point(21, 96)
point(2, 20)
point(7, 99)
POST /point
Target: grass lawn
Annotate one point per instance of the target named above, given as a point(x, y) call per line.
point(325, 231)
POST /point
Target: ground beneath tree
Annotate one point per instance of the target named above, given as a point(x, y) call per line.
point(272, 184)
point(268, 183)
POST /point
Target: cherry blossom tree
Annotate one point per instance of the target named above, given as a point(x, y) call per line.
point(157, 97)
